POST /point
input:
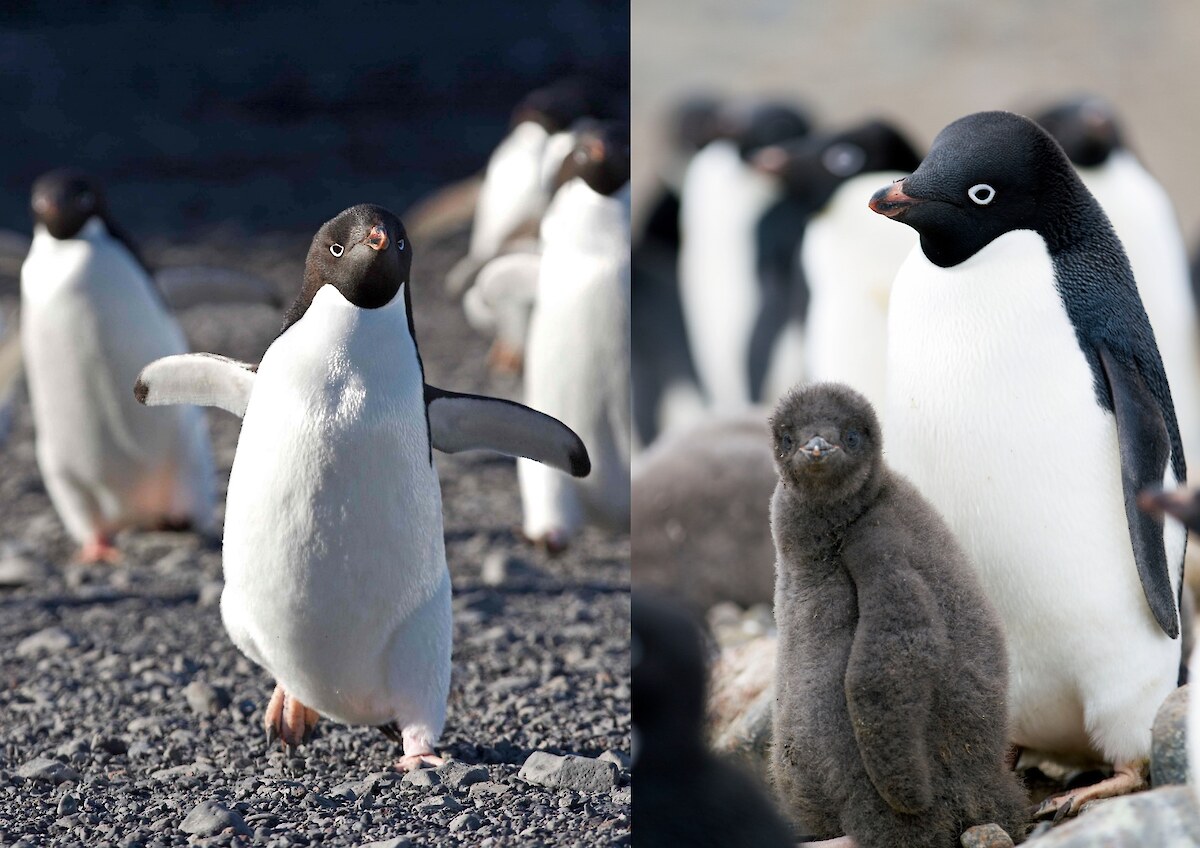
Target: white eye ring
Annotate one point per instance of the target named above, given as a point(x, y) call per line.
point(400, 245)
point(981, 194)
point(336, 249)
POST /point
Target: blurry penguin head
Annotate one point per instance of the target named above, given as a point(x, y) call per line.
point(827, 441)
point(1086, 128)
point(64, 200)
point(600, 157)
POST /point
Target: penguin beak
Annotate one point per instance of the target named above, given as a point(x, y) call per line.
point(892, 201)
point(817, 449)
point(377, 239)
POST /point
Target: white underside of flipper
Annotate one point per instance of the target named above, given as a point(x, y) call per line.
point(89, 322)
point(577, 360)
point(335, 567)
point(992, 414)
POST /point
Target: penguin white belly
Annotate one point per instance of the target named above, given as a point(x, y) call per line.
point(90, 322)
point(1144, 219)
point(787, 364)
point(511, 191)
point(577, 362)
point(722, 202)
point(850, 257)
point(335, 568)
point(992, 414)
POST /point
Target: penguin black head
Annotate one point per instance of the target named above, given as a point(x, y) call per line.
point(827, 441)
point(1086, 128)
point(600, 157)
point(811, 169)
point(364, 253)
point(755, 124)
point(556, 106)
point(668, 678)
point(695, 123)
point(64, 200)
point(986, 174)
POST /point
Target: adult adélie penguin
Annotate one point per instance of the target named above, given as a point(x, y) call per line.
point(1027, 400)
point(335, 566)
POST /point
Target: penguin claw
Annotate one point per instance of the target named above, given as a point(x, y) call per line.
point(99, 549)
point(1064, 810)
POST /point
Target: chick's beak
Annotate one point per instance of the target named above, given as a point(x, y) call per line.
point(377, 238)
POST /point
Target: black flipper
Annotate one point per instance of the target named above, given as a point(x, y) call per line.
point(201, 379)
point(459, 422)
point(1145, 450)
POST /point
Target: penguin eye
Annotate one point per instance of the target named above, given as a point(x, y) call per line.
point(336, 249)
point(400, 245)
point(981, 194)
point(786, 443)
point(843, 159)
point(853, 439)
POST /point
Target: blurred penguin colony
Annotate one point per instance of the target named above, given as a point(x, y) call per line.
point(334, 462)
point(905, 415)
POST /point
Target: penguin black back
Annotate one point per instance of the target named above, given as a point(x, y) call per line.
point(364, 253)
point(686, 796)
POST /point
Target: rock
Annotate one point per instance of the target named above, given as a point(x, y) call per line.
point(495, 569)
point(618, 759)
point(1167, 817)
point(17, 570)
point(742, 692)
point(1168, 751)
point(110, 744)
point(52, 640)
point(986, 836)
point(440, 804)
point(210, 593)
point(68, 805)
point(208, 818)
point(423, 777)
point(467, 822)
point(51, 771)
point(204, 698)
point(394, 842)
point(455, 774)
point(483, 790)
point(582, 774)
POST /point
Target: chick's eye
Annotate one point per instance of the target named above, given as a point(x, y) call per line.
point(853, 439)
point(336, 249)
point(400, 245)
point(786, 442)
point(981, 194)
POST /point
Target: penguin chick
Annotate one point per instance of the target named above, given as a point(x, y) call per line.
point(686, 795)
point(334, 556)
point(890, 719)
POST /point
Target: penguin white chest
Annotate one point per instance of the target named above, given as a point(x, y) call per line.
point(992, 413)
point(333, 532)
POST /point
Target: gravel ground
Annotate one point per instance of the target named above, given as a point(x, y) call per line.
point(149, 719)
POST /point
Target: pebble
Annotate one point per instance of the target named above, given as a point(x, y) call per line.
point(422, 777)
point(17, 570)
point(209, 818)
point(52, 640)
point(494, 571)
point(483, 790)
point(617, 758)
point(1168, 751)
point(985, 836)
point(52, 771)
point(467, 821)
point(582, 774)
point(394, 842)
point(204, 698)
point(68, 805)
point(439, 804)
point(455, 774)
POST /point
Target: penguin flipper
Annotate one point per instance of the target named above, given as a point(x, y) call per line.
point(201, 379)
point(190, 285)
point(459, 422)
point(890, 680)
point(1145, 447)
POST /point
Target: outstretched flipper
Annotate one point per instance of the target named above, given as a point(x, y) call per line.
point(191, 285)
point(459, 422)
point(1145, 447)
point(890, 680)
point(202, 379)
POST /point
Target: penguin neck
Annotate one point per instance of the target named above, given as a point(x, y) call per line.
point(826, 512)
point(585, 220)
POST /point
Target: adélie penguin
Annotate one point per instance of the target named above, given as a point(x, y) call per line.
point(335, 567)
point(577, 358)
point(849, 256)
point(1028, 402)
point(91, 317)
point(1142, 215)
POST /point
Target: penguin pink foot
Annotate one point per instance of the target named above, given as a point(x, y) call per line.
point(288, 720)
point(99, 549)
point(418, 749)
point(1127, 778)
point(554, 541)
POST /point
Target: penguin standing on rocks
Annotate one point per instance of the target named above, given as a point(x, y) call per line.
point(577, 361)
point(832, 176)
point(1023, 375)
point(335, 567)
point(1145, 221)
point(722, 204)
point(890, 725)
point(686, 795)
point(91, 317)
